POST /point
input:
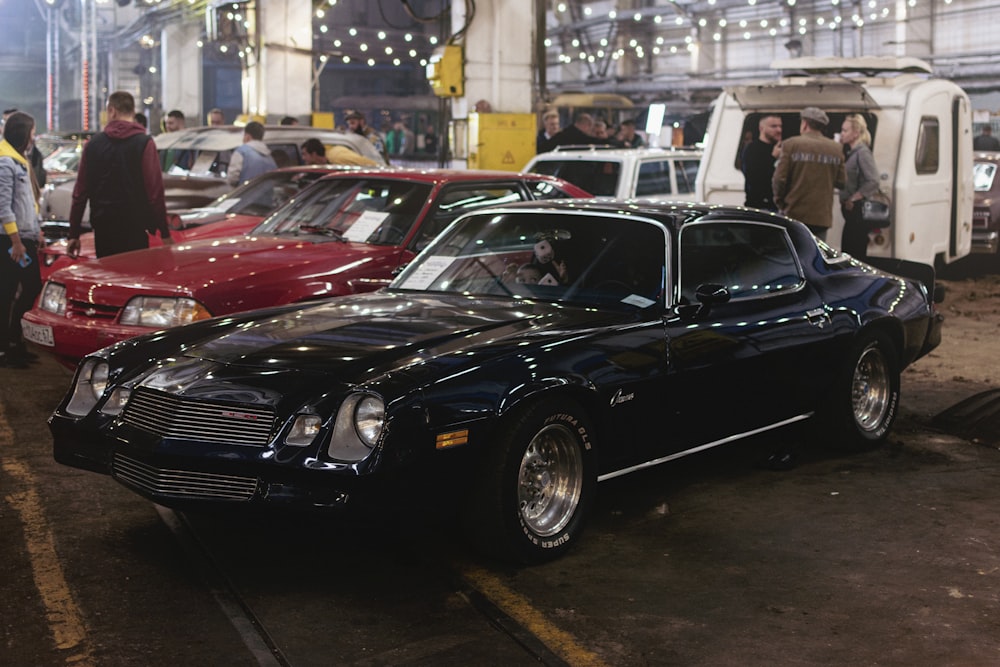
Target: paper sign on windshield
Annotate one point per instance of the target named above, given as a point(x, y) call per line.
point(427, 272)
point(364, 226)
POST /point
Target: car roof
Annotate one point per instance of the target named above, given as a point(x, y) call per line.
point(450, 175)
point(671, 213)
point(230, 137)
point(611, 152)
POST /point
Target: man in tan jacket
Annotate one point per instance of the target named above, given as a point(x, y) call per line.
point(809, 168)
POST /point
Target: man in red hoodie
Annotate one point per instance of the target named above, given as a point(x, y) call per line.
point(120, 176)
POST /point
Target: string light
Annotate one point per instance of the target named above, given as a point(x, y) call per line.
point(743, 21)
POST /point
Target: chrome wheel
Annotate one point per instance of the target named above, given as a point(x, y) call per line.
point(550, 480)
point(871, 389)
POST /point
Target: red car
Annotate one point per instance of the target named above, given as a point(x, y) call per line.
point(348, 233)
point(235, 212)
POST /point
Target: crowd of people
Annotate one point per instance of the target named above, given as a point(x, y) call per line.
point(586, 130)
point(799, 176)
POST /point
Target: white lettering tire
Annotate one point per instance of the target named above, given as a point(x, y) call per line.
point(865, 399)
point(536, 485)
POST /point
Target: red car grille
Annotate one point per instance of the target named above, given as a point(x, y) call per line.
point(981, 218)
point(94, 311)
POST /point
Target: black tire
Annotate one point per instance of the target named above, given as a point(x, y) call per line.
point(865, 400)
point(536, 485)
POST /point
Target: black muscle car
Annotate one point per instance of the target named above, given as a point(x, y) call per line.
point(530, 352)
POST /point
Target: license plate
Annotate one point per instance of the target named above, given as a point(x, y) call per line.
point(38, 333)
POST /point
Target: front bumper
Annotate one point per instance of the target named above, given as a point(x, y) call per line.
point(76, 337)
point(985, 241)
point(189, 475)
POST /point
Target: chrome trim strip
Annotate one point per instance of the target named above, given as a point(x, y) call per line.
point(699, 448)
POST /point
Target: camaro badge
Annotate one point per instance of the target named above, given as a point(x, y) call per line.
point(621, 397)
point(240, 415)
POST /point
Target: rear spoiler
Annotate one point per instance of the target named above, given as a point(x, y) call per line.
point(907, 269)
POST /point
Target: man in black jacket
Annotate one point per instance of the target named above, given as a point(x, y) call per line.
point(580, 133)
point(758, 160)
point(120, 176)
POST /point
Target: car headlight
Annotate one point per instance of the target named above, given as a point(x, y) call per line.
point(358, 428)
point(53, 298)
point(163, 311)
point(369, 416)
point(88, 386)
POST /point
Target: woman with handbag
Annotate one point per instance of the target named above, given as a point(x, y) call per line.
point(862, 183)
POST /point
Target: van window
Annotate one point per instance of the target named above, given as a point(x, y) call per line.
point(687, 172)
point(654, 179)
point(928, 146)
point(748, 259)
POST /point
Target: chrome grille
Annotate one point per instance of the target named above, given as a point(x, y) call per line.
point(181, 483)
point(172, 417)
point(94, 311)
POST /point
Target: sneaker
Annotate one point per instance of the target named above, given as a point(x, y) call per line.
point(21, 352)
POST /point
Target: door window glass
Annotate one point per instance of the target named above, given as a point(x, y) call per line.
point(654, 179)
point(750, 260)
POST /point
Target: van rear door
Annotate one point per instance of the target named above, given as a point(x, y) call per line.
point(720, 180)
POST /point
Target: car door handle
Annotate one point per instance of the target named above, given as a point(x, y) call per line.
point(819, 317)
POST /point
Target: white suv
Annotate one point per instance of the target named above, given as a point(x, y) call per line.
point(624, 173)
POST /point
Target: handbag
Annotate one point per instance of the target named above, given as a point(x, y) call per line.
point(875, 210)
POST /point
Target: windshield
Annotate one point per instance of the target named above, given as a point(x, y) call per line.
point(263, 195)
point(982, 175)
point(64, 158)
point(583, 259)
point(363, 210)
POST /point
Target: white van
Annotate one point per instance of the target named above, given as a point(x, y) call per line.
point(921, 131)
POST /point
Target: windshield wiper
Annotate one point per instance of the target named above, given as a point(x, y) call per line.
point(325, 231)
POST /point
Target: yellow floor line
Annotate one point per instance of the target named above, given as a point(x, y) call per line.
point(521, 610)
point(64, 617)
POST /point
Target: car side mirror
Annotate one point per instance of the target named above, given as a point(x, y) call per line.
point(174, 222)
point(711, 294)
point(707, 295)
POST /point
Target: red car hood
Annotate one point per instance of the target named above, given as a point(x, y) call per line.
point(209, 227)
point(213, 229)
point(234, 273)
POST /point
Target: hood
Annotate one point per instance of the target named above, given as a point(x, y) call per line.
point(217, 271)
point(357, 338)
point(123, 129)
point(258, 147)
